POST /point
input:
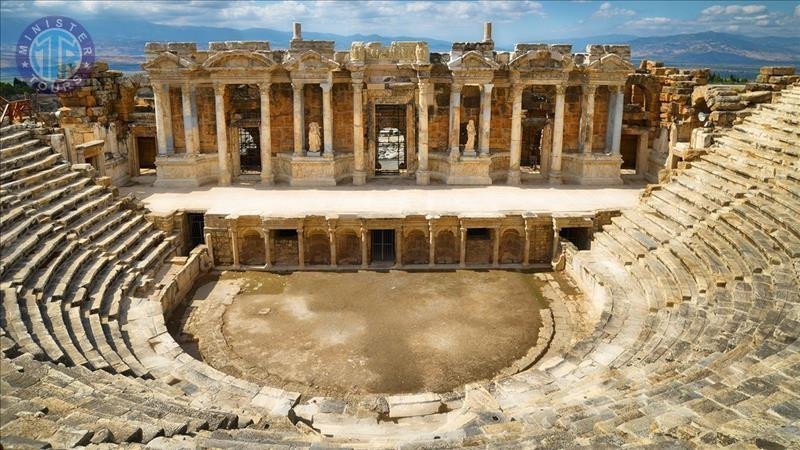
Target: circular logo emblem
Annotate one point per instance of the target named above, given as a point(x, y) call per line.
point(55, 53)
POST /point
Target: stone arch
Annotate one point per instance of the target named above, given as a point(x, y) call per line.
point(512, 247)
point(348, 247)
point(317, 248)
point(416, 248)
point(642, 96)
point(447, 248)
point(252, 251)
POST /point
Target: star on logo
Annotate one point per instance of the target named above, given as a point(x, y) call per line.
point(86, 65)
point(25, 65)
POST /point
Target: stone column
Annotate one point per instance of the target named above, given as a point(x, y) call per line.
point(299, 118)
point(364, 248)
point(265, 135)
point(222, 136)
point(234, 245)
point(267, 249)
point(431, 245)
point(462, 258)
point(496, 248)
point(190, 127)
point(587, 119)
point(618, 97)
point(516, 135)
point(455, 120)
point(558, 137)
point(210, 245)
point(556, 243)
point(301, 250)
point(526, 256)
point(486, 118)
point(423, 173)
point(398, 247)
point(360, 174)
point(332, 239)
point(166, 143)
point(327, 120)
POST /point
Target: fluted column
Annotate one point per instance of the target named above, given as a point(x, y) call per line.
point(423, 173)
point(486, 118)
point(327, 120)
point(299, 118)
point(360, 174)
point(516, 134)
point(265, 135)
point(587, 119)
point(398, 247)
point(190, 128)
point(526, 256)
point(455, 120)
point(222, 135)
point(558, 136)
point(166, 144)
point(616, 124)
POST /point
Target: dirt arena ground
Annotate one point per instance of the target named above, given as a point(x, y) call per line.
point(343, 334)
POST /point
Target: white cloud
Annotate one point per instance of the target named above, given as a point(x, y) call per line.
point(797, 11)
point(717, 10)
point(607, 10)
point(443, 19)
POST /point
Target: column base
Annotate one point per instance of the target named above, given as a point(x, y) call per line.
point(423, 177)
point(224, 181)
point(454, 154)
point(359, 177)
point(267, 180)
point(514, 177)
point(555, 178)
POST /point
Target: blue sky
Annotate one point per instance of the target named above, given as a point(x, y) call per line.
point(514, 21)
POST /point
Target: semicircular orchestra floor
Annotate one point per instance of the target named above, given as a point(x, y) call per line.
point(344, 334)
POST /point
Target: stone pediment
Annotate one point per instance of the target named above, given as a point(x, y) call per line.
point(310, 61)
point(472, 60)
point(610, 63)
point(168, 61)
point(239, 60)
point(542, 59)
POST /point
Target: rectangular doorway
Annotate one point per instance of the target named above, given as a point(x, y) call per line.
point(195, 228)
point(146, 148)
point(390, 132)
point(629, 148)
point(250, 150)
point(382, 246)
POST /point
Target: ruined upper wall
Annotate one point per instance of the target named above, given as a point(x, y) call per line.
point(414, 54)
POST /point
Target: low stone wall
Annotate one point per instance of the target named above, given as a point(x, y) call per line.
point(182, 280)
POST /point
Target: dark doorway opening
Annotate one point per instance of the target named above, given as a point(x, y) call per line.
point(196, 225)
point(629, 147)
point(285, 249)
point(531, 146)
point(580, 236)
point(390, 148)
point(249, 150)
point(146, 147)
point(382, 246)
point(479, 234)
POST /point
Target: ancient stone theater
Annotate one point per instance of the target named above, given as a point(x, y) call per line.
point(262, 245)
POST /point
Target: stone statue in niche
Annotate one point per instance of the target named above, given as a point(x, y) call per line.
point(314, 139)
point(470, 145)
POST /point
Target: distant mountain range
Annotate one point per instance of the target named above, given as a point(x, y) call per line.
point(121, 43)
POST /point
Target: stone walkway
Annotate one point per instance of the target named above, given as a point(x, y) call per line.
point(385, 201)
